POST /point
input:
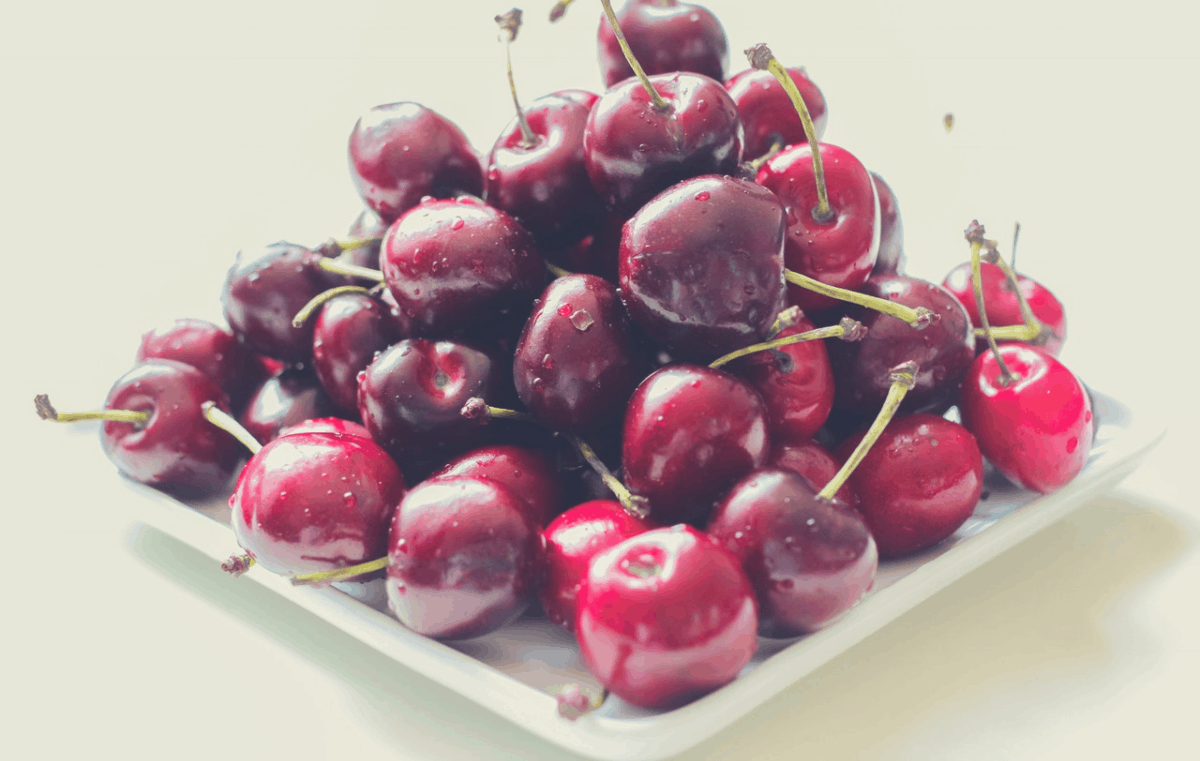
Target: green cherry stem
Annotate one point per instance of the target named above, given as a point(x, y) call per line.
point(478, 409)
point(46, 411)
point(315, 303)
point(634, 504)
point(919, 318)
point(556, 270)
point(847, 330)
point(226, 422)
point(350, 270)
point(974, 235)
point(510, 24)
point(339, 574)
point(659, 102)
point(902, 376)
point(334, 247)
point(751, 167)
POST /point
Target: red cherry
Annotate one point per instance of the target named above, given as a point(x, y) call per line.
point(891, 259)
point(1004, 307)
point(1036, 429)
point(402, 152)
point(284, 400)
point(210, 349)
point(347, 334)
point(331, 425)
point(813, 461)
point(528, 473)
point(918, 483)
point(582, 97)
point(767, 112)
point(665, 36)
point(263, 292)
point(665, 617)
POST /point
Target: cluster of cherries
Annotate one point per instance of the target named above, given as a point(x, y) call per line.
point(600, 355)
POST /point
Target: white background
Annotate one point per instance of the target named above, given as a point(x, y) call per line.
point(143, 143)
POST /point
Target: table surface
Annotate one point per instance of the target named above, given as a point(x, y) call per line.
point(144, 143)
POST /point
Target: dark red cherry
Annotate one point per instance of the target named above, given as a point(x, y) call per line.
point(530, 475)
point(1003, 306)
point(634, 150)
point(596, 254)
point(210, 349)
point(176, 448)
point(347, 334)
point(411, 397)
point(701, 266)
point(767, 112)
point(665, 617)
point(839, 251)
point(665, 36)
point(577, 361)
point(402, 152)
point(809, 559)
point(310, 502)
point(463, 558)
point(544, 185)
point(943, 351)
point(891, 259)
point(690, 433)
point(284, 400)
point(331, 425)
point(1036, 429)
point(582, 97)
point(795, 381)
point(919, 482)
point(814, 462)
point(263, 292)
point(461, 265)
point(572, 540)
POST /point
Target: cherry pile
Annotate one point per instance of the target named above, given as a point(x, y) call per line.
point(654, 361)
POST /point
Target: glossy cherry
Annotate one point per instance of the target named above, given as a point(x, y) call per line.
point(891, 259)
point(310, 502)
point(264, 290)
point(463, 558)
point(767, 113)
point(665, 617)
point(813, 461)
point(1003, 306)
point(582, 97)
point(402, 152)
point(528, 473)
point(809, 559)
point(701, 266)
point(284, 400)
point(347, 334)
point(918, 483)
point(1038, 428)
point(577, 361)
point(331, 425)
point(665, 36)
point(210, 349)
point(690, 433)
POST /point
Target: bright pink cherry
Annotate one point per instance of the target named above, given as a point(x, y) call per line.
point(665, 36)
point(331, 425)
point(1004, 307)
point(767, 114)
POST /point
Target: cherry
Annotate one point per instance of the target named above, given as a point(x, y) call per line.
point(701, 265)
point(918, 484)
point(210, 349)
point(690, 433)
point(583, 97)
point(595, 254)
point(666, 36)
point(312, 502)
point(457, 265)
point(263, 291)
point(463, 558)
point(349, 331)
point(332, 425)
point(665, 617)
point(809, 559)
point(411, 397)
point(530, 475)
point(891, 259)
point(402, 152)
point(1004, 307)
point(572, 540)
point(284, 400)
point(768, 117)
point(577, 362)
point(813, 461)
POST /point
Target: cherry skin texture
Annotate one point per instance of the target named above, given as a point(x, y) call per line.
point(284, 400)
point(572, 540)
point(767, 112)
point(177, 449)
point(577, 362)
point(310, 502)
point(808, 559)
point(529, 474)
point(795, 381)
point(665, 617)
point(402, 152)
point(348, 332)
point(411, 397)
point(701, 266)
point(814, 462)
point(635, 151)
point(210, 349)
point(595, 254)
point(1037, 431)
point(263, 292)
point(892, 259)
point(463, 558)
point(545, 186)
point(690, 433)
point(583, 97)
point(331, 425)
point(919, 482)
point(458, 265)
point(942, 351)
point(1003, 306)
point(840, 251)
point(665, 36)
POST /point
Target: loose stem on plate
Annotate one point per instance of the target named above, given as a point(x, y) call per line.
point(226, 422)
point(847, 330)
point(510, 24)
point(350, 270)
point(315, 302)
point(46, 411)
point(340, 574)
point(659, 102)
point(635, 504)
point(919, 318)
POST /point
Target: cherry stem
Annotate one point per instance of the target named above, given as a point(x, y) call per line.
point(903, 376)
point(575, 700)
point(317, 301)
point(340, 574)
point(226, 422)
point(236, 565)
point(633, 503)
point(1011, 333)
point(762, 59)
point(752, 167)
point(919, 318)
point(559, 9)
point(1016, 235)
point(350, 270)
point(1010, 275)
point(46, 411)
point(556, 270)
point(478, 409)
point(659, 102)
point(974, 234)
point(847, 330)
point(510, 24)
point(334, 247)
